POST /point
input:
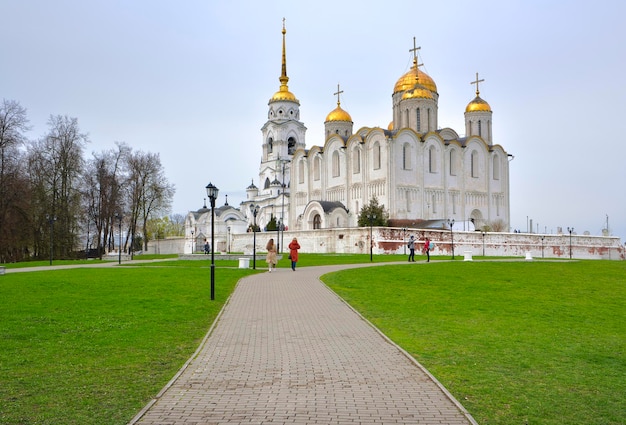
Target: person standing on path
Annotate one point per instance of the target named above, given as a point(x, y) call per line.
point(411, 246)
point(427, 249)
point(270, 258)
point(294, 246)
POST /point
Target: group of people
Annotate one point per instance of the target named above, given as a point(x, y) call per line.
point(272, 256)
point(425, 250)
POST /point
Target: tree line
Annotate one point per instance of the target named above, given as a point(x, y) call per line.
point(55, 202)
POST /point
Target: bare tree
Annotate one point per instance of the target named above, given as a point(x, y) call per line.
point(149, 191)
point(55, 168)
point(102, 195)
point(14, 193)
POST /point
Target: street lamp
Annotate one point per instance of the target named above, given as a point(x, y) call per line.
point(282, 212)
point(119, 251)
point(51, 219)
point(212, 192)
point(570, 241)
point(254, 209)
point(404, 239)
point(192, 242)
point(451, 224)
point(371, 218)
point(228, 234)
point(483, 233)
point(542, 246)
point(277, 234)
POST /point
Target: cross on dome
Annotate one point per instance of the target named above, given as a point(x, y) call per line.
point(476, 82)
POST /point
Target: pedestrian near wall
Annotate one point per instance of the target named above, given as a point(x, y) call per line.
point(411, 246)
point(294, 246)
point(427, 249)
point(270, 258)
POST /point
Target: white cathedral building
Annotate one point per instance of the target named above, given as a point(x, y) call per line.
point(419, 172)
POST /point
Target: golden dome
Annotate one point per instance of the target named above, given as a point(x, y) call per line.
point(390, 126)
point(419, 92)
point(478, 105)
point(284, 94)
point(338, 114)
point(407, 81)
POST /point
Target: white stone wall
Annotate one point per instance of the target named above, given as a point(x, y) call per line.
point(393, 241)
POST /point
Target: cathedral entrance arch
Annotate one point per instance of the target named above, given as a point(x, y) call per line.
point(476, 217)
point(317, 221)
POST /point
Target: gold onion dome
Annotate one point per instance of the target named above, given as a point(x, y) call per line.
point(338, 114)
point(419, 92)
point(407, 81)
point(390, 126)
point(478, 105)
point(283, 94)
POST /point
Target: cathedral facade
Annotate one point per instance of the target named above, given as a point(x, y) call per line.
point(418, 171)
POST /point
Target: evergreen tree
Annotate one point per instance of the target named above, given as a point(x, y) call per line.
point(373, 214)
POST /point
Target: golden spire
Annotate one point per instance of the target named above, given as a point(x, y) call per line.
point(283, 75)
point(283, 92)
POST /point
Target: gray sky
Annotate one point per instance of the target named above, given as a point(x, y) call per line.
point(191, 79)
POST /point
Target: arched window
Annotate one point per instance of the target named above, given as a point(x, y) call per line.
point(267, 183)
point(428, 123)
point(376, 156)
point(452, 162)
point(270, 145)
point(291, 145)
point(496, 167)
point(317, 222)
point(356, 160)
point(480, 128)
point(406, 156)
point(432, 160)
point(316, 168)
point(335, 164)
point(301, 171)
point(474, 164)
point(419, 119)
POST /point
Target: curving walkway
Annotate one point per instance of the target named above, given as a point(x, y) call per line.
point(285, 349)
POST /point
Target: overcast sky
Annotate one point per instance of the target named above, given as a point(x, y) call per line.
point(191, 79)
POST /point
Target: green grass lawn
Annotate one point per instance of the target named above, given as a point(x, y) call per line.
point(515, 342)
point(93, 346)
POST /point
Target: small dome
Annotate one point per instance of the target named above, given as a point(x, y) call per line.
point(390, 126)
point(478, 105)
point(338, 114)
point(407, 81)
point(419, 92)
point(284, 94)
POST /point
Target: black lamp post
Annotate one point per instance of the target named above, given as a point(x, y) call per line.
point(371, 218)
point(254, 209)
point(212, 192)
point(51, 219)
point(451, 224)
point(404, 239)
point(228, 232)
point(483, 233)
point(542, 246)
point(192, 241)
point(119, 251)
point(282, 213)
point(277, 234)
point(570, 241)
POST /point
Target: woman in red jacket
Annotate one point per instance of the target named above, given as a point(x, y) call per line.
point(294, 246)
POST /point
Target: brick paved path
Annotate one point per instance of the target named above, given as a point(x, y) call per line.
point(287, 350)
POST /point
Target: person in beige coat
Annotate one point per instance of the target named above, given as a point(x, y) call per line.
point(270, 258)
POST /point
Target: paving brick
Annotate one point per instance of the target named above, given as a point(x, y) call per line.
point(287, 350)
